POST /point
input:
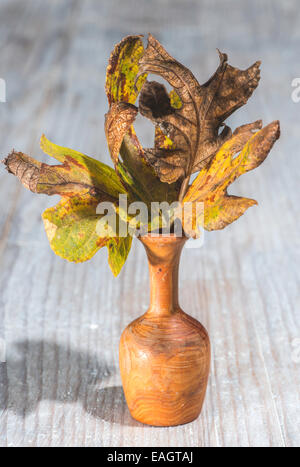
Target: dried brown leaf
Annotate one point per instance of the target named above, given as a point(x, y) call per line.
point(194, 126)
point(118, 121)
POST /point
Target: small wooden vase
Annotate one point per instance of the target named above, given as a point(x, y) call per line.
point(164, 354)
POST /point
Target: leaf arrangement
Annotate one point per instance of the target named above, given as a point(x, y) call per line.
point(190, 136)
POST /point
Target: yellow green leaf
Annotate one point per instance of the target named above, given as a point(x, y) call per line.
point(118, 250)
point(71, 228)
point(121, 84)
point(83, 183)
point(210, 186)
point(175, 100)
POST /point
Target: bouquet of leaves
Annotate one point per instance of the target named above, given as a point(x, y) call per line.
point(190, 136)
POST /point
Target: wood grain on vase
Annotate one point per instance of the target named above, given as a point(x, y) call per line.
point(164, 354)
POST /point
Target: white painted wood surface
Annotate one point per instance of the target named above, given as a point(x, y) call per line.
point(61, 322)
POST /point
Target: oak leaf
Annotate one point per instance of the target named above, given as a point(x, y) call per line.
point(121, 83)
point(94, 173)
point(83, 182)
point(118, 121)
point(71, 228)
point(210, 186)
point(118, 250)
point(122, 89)
point(190, 136)
point(77, 173)
point(194, 125)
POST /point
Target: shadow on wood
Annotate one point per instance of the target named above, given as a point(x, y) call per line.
point(39, 370)
point(111, 406)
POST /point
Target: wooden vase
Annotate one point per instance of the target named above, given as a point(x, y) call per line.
point(164, 354)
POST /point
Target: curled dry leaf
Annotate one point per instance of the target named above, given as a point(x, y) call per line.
point(118, 121)
point(168, 162)
point(66, 179)
point(85, 168)
point(43, 178)
point(122, 89)
point(25, 168)
point(194, 125)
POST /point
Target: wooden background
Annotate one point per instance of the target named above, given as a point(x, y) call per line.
point(61, 322)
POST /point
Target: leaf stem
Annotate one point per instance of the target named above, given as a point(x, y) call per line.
point(184, 187)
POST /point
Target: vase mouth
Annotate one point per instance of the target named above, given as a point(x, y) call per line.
point(162, 238)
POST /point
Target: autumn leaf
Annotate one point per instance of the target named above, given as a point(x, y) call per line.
point(194, 126)
point(61, 179)
point(225, 210)
point(118, 125)
point(83, 182)
point(190, 136)
point(121, 84)
point(122, 89)
point(118, 249)
point(90, 171)
point(71, 228)
point(210, 186)
point(118, 121)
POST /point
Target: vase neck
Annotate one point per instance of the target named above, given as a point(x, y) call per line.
point(163, 258)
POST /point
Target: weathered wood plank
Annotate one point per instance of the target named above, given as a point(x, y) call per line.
point(62, 322)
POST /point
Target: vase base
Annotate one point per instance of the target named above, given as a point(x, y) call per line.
point(157, 423)
point(164, 366)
